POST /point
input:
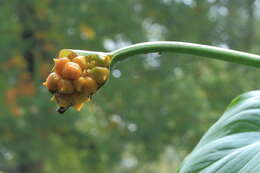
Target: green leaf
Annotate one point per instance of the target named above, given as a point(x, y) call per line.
point(232, 144)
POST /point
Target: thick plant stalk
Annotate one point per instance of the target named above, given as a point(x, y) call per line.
point(187, 48)
point(78, 74)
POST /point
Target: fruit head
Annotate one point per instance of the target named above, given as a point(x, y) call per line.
point(76, 77)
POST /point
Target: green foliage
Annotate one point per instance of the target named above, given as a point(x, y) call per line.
point(136, 117)
point(232, 144)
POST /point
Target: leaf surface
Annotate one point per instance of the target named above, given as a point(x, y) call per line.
point(232, 144)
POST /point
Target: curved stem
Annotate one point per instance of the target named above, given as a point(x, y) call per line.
point(186, 48)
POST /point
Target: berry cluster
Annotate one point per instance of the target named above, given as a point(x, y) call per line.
point(75, 78)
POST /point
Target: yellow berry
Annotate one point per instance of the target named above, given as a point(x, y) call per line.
point(79, 83)
point(79, 106)
point(90, 86)
point(91, 64)
point(107, 60)
point(67, 53)
point(71, 71)
point(65, 87)
point(100, 60)
point(79, 99)
point(99, 74)
point(81, 61)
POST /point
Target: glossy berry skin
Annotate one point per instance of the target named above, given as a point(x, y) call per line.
point(71, 71)
point(60, 64)
point(99, 74)
point(81, 61)
point(76, 78)
point(65, 87)
point(90, 85)
point(78, 84)
point(52, 82)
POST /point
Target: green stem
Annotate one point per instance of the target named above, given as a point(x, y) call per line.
point(186, 48)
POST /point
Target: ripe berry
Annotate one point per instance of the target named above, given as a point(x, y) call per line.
point(60, 64)
point(52, 81)
point(81, 61)
point(78, 84)
point(65, 87)
point(71, 71)
point(90, 86)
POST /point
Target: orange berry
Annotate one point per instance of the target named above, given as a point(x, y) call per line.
point(65, 87)
point(78, 84)
point(71, 71)
point(52, 81)
point(81, 61)
point(90, 86)
point(79, 106)
point(60, 64)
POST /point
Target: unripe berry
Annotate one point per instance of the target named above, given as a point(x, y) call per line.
point(81, 61)
point(91, 64)
point(72, 55)
point(99, 60)
point(67, 53)
point(65, 87)
point(99, 74)
point(107, 61)
point(71, 71)
point(60, 64)
point(52, 81)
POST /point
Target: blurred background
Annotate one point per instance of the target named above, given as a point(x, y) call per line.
point(155, 107)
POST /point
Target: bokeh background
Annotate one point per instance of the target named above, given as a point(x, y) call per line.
point(154, 108)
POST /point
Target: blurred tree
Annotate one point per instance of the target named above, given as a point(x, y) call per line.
point(149, 105)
